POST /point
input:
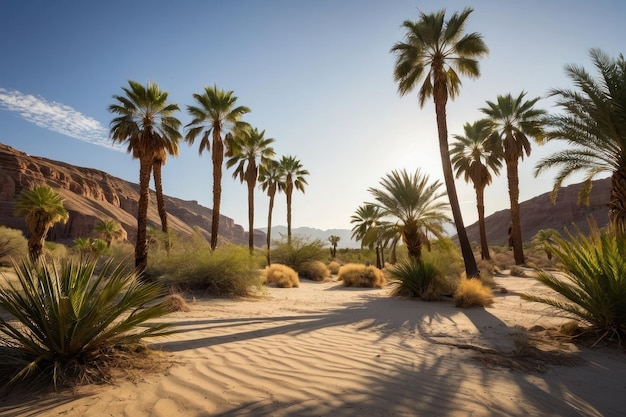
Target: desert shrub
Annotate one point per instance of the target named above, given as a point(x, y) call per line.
point(356, 256)
point(55, 250)
point(228, 271)
point(314, 270)
point(503, 260)
point(593, 282)
point(176, 302)
point(413, 278)
point(72, 325)
point(452, 269)
point(122, 252)
point(518, 271)
point(472, 293)
point(358, 275)
point(281, 275)
point(13, 245)
point(333, 267)
point(299, 251)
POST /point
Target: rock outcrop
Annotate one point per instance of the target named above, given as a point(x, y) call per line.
point(92, 195)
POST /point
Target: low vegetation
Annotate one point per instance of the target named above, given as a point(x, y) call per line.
point(281, 275)
point(472, 293)
point(298, 251)
point(333, 267)
point(358, 275)
point(314, 270)
point(412, 278)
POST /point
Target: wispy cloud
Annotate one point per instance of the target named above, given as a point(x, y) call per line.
point(55, 116)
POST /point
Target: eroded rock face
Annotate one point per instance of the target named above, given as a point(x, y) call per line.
point(92, 195)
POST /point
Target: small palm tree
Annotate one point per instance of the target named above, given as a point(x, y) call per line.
point(215, 114)
point(145, 122)
point(294, 178)
point(334, 240)
point(109, 231)
point(513, 120)
point(249, 149)
point(42, 207)
point(545, 239)
point(434, 54)
point(415, 205)
point(475, 157)
point(593, 125)
point(368, 222)
point(271, 180)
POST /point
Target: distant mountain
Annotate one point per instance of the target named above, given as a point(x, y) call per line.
point(345, 240)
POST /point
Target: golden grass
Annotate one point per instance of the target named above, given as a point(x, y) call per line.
point(333, 267)
point(472, 293)
point(176, 302)
point(314, 270)
point(281, 275)
point(358, 275)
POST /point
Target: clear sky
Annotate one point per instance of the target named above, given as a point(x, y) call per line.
point(317, 75)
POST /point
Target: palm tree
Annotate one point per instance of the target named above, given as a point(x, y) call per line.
point(414, 203)
point(294, 178)
point(214, 115)
point(146, 123)
point(512, 121)
point(475, 157)
point(437, 51)
point(368, 223)
point(159, 159)
point(42, 207)
point(249, 149)
point(593, 124)
point(109, 231)
point(546, 239)
point(334, 240)
point(271, 180)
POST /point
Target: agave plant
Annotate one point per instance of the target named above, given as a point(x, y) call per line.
point(69, 322)
point(594, 281)
point(413, 278)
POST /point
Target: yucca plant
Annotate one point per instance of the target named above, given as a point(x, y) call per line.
point(594, 281)
point(70, 324)
point(412, 278)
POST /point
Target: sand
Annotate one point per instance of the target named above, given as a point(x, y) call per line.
point(325, 350)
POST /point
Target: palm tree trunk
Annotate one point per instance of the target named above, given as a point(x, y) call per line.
point(288, 192)
point(480, 205)
point(413, 241)
point(251, 185)
point(617, 200)
point(269, 227)
point(158, 187)
point(37, 238)
point(141, 248)
point(218, 158)
point(516, 227)
point(471, 270)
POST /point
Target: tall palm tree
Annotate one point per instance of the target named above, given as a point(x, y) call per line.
point(271, 180)
point(294, 178)
point(513, 120)
point(437, 52)
point(109, 231)
point(414, 203)
point(475, 157)
point(214, 115)
point(593, 124)
point(249, 149)
point(145, 122)
point(42, 207)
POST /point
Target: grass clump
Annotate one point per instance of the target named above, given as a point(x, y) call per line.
point(71, 325)
point(412, 278)
point(13, 245)
point(358, 275)
point(298, 251)
point(281, 275)
point(333, 267)
point(472, 293)
point(592, 282)
point(314, 270)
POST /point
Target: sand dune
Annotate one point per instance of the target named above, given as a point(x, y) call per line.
point(325, 350)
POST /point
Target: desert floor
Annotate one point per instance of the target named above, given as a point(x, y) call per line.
point(325, 350)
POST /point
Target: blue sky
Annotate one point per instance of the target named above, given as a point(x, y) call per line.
point(317, 75)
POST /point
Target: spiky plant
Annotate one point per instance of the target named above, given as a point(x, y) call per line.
point(70, 323)
point(593, 282)
point(413, 278)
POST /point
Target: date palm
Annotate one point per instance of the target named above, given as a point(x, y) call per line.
point(513, 120)
point(593, 124)
point(109, 231)
point(368, 228)
point(42, 208)
point(215, 114)
point(434, 54)
point(414, 204)
point(271, 180)
point(248, 150)
point(294, 178)
point(145, 122)
point(476, 157)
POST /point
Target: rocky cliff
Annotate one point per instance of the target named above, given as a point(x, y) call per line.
point(91, 195)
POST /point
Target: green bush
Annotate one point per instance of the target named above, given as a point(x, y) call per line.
point(358, 275)
point(13, 245)
point(281, 275)
point(229, 271)
point(593, 282)
point(314, 270)
point(411, 278)
point(300, 251)
point(72, 325)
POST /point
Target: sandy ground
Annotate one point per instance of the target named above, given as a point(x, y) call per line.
point(325, 350)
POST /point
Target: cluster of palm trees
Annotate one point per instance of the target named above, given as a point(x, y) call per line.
point(432, 57)
point(146, 123)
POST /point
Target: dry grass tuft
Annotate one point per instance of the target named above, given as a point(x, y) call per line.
point(314, 270)
point(518, 271)
point(358, 275)
point(281, 275)
point(472, 293)
point(333, 267)
point(176, 302)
